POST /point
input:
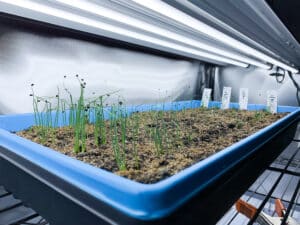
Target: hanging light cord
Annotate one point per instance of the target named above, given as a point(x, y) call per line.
point(280, 76)
point(296, 86)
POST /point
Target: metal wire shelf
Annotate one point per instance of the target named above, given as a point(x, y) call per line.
point(280, 180)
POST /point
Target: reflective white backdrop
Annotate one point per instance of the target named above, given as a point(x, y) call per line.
point(258, 81)
point(27, 57)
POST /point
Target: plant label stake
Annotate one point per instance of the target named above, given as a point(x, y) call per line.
point(264, 219)
point(243, 98)
point(226, 98)
point(272, 99)
point(206, 97)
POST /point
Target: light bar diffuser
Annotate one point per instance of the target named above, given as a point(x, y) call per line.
point(124, 19)
point(57, 13)
point(188, 21)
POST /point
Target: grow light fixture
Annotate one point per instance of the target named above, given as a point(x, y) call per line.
point(191, 6)
point(147, 27)
point(171, 13)
point(112, 30)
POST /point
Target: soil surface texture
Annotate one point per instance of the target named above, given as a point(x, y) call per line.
point(157, 147)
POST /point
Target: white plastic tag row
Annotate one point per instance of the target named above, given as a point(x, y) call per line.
point(272, 99)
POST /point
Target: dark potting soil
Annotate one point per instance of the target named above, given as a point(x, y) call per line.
point(187, 136)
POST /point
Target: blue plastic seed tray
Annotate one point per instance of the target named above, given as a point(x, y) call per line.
point(143, 202)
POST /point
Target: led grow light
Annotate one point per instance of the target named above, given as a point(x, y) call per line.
point(205, 14)
point(104, 26)
point(124, 19)
point(176, 15)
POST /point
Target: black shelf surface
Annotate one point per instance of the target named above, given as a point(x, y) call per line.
point(280, 180)
point(13, 212)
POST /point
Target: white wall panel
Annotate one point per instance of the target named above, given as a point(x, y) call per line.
point(27, 58)
point(258, 81)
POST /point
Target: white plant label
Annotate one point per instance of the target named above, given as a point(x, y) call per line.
point(206, 97)
point(272, 99)
point(226, 97)
point(243, 98)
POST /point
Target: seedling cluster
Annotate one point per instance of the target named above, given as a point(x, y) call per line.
point(95, 124)
point(108, 124)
